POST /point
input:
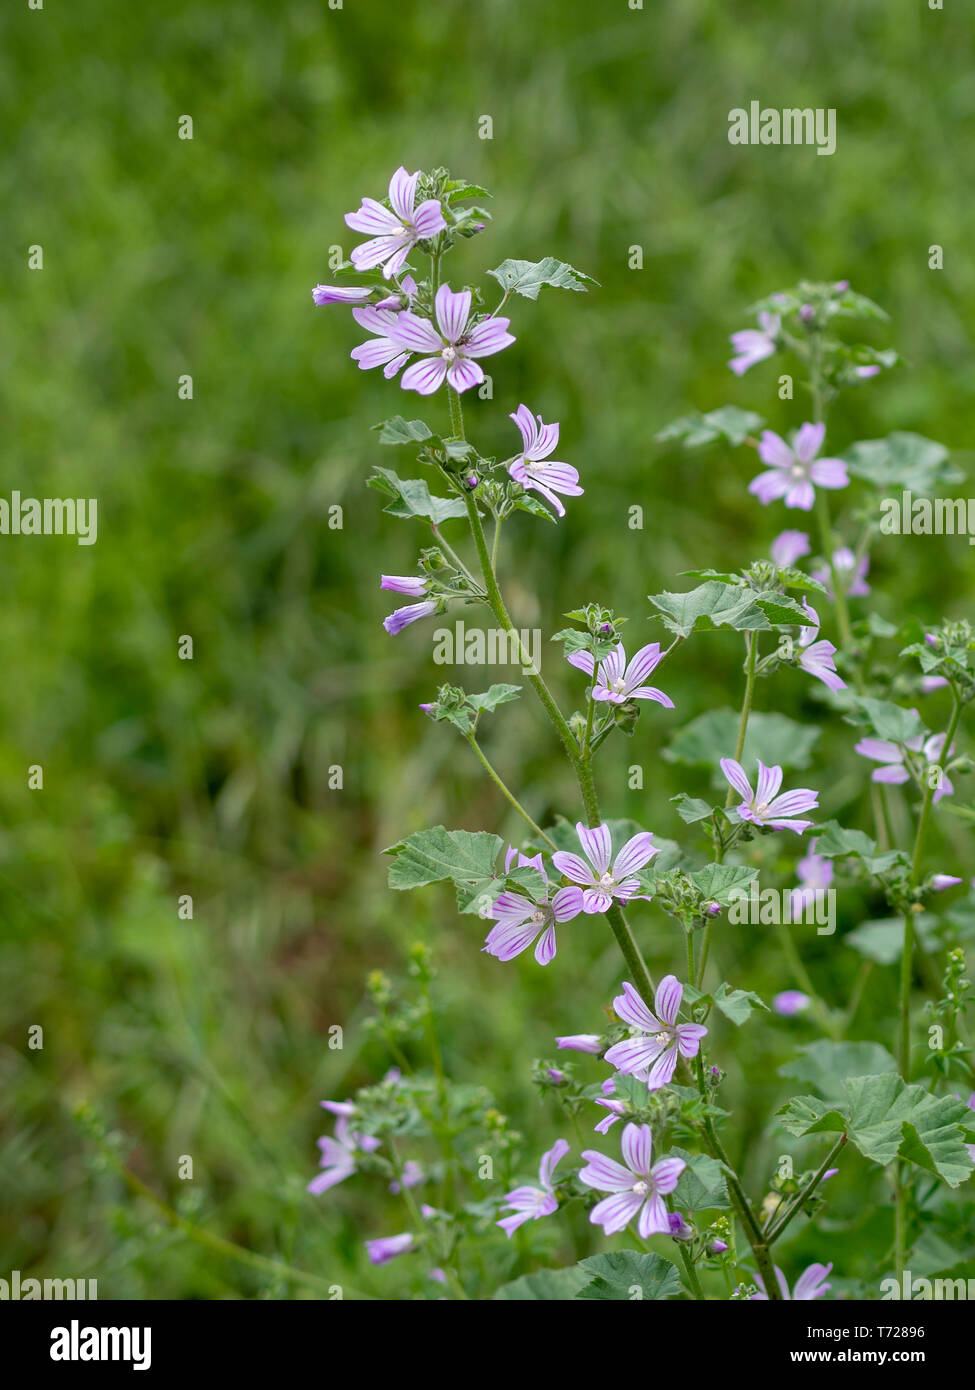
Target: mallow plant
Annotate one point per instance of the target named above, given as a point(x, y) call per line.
point(645, 1069)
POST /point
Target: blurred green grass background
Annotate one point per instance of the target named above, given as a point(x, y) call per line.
point(163, 777)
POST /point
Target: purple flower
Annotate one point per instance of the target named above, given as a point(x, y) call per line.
point(679, 1228)
point(338, 1155)
point(851, 573)
point(941, 882)
point(809, 1285)
point(764, 806)
point(789, 546)
point(453, 347)
point(638, 1190)
point(754, 344)
point(881, 750)
point(929, 683)
point(411, 1176)
point(581, 1042)
point(653, 1055)
point(408, 584)
point(534, 469)
point(402, 296)
point(601, 883)
point(790, 1002)
point(793, 471)
point(335, 294)
point(868, 371)
point(383, 350)
point(393, 234)
point(530, 1203)
point(717, 1247)
point(818, 657)
point(815, 874)
point(402, 617)
point(520, 920)
point(388, 1247)
point(618, 682)
point(616, 1108)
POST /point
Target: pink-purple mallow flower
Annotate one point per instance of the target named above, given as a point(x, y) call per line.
point(520, 921)
point(600, 881)
point(617, 680)
point(338, 1154)
point(881, 750)
point(383, 350)
point(816, 654)
point(789, 546)
point(394, 232)
point(637, 1190)
point(530, 1203)
point(652, 1056)
point(413, 586)
point(795, 472)
point(534, 469)
point(764, 806)
point(340, 294)
point(754, 344)
point(810, 1284)
point(851, 573)
point(386, 1248)
point(815, 874)
point(453, 343)
point(581, 1042)
point(790, 1002)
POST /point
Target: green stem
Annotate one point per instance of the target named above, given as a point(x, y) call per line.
point(901, 1181)
point(692, 1276)
point(779, 1226)
point(479, 754)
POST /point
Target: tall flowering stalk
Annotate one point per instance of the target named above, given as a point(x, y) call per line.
point(561, 885)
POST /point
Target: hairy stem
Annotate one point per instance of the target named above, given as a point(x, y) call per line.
point(504, 790)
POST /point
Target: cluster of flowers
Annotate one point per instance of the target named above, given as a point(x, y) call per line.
point(436, 337)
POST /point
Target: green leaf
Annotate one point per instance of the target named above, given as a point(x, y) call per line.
point(400, 431)
point(737, 1004)
point(465, 857)
point(902, 461)
point(457, 190)
point(826, 1065)
point(883, 940)
point(834, 841)
point(624, 1275)
point(691, 808)
point(887, 720)
point(727, 422)
point(528, 502)
point(411, 497)
point(494, 696)
point(776, 739)
point(527, 277)
point(722, 882)
point(710, 605)
point(885, 1119)
point(545, 1286)
point(701, 1186)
